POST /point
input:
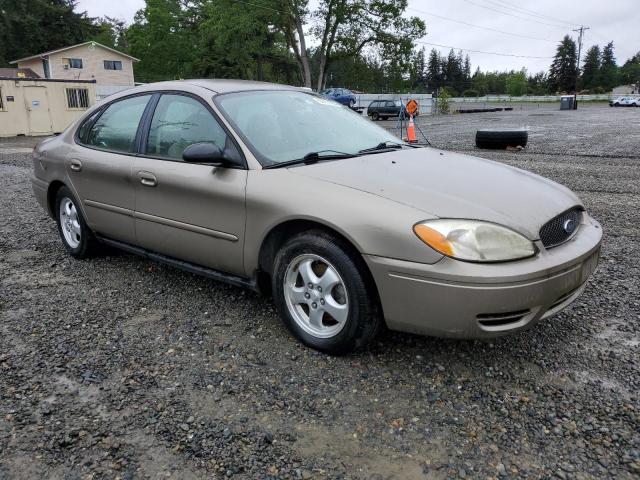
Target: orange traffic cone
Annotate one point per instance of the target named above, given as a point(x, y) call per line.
point(411, 131)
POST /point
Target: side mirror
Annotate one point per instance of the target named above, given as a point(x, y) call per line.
point(204, 152)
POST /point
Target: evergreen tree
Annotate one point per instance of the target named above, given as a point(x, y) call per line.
point(591, 68)
point(467, 69)
point(630, 71)
point(608, 68)
point(562, 74)
point(434, 72)
point(29, 27)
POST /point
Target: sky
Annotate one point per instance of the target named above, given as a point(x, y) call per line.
point(533, 27)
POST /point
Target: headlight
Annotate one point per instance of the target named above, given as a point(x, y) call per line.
point(474, 241)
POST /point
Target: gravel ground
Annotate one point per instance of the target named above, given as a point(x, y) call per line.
point(122, 368)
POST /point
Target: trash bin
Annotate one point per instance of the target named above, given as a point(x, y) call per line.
point(566, 102)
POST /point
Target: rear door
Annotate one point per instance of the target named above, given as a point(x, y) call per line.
point(191, 212)
point(100, 166)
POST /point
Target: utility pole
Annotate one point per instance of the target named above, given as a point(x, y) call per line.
point(575, 90)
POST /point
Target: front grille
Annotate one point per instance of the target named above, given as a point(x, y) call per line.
point(561, 228)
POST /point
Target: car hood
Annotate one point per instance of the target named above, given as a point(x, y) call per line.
point(451, 185)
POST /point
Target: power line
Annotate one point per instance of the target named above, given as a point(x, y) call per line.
point(480, 51)
point(513, 15)
point(479, 26)
point(526, 11)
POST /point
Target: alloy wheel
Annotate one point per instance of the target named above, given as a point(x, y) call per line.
point(70, 223)
point(316, 296)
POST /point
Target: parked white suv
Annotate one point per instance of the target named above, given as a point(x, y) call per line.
point(625, 102)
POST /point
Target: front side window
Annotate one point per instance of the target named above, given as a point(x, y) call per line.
point(77, 98)
point(180, 121)
point(280, 126)
point(117, 127)
point(112, 65)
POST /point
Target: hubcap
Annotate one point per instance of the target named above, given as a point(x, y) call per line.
point(316, 296)
point(69, 223)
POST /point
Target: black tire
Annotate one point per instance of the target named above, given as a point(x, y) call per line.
point(87, 245)
point(501, 139)
point(375, 116)
point(364, 319)
point(352, 103)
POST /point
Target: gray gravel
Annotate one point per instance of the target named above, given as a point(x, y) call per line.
point(118, 367)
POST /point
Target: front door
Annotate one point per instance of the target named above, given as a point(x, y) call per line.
point(189, 211)
point(100, 167)
point(37, 104)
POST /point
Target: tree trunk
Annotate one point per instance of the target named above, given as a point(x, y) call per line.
point(304, 58)
point(322, 74)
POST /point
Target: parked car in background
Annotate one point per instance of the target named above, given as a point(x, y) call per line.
point(340, 95)
point(279, 190)
point(625, 102)
point(383, 109)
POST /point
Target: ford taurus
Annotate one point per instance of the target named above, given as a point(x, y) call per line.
point(280, 190)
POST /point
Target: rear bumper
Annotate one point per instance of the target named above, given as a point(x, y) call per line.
point(40, 188)
point(469, 300)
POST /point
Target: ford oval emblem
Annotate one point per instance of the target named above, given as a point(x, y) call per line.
point(569, 226)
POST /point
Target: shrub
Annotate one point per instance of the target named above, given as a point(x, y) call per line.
point(470, 93)
point(443, 101)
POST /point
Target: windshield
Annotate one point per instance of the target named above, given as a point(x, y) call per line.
point(280, 126)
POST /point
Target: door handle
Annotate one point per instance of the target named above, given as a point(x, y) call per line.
point(75, 165)
point(147, 179)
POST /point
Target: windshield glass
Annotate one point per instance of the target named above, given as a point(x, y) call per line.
point(280, 126)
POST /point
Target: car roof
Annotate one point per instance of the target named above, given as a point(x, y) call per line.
point(220, 85)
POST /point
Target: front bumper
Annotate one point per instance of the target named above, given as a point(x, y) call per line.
point(472, 300)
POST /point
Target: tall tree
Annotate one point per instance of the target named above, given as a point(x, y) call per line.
point(630, 71)
point(591, 68)
point(345, 28)
point(29, 27)
point(111, 33)
point(434, 71)
point(562, 74)
point(608, 68)
point(516, 83)
point(164, 37)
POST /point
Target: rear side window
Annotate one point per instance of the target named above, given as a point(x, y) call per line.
point(86, 125)
point(180, 121)
point(117, 127)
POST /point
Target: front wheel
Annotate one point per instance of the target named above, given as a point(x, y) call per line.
point(375, 116)
point(324, 294)
point(74, 232)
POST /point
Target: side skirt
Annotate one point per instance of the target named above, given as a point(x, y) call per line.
point(249, 283)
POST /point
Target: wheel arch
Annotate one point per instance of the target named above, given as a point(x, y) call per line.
point(52, 190)
point(278, 235)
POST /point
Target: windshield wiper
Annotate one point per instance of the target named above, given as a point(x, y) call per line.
point(313, 157)
point(384, 147)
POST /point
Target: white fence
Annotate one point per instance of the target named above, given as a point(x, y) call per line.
point(534, 98)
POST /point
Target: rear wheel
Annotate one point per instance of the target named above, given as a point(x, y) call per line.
point(325, 296)
point(74, 232)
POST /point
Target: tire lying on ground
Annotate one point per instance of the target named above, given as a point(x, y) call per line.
point(501, 139)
